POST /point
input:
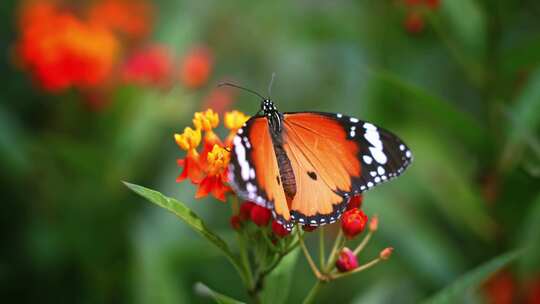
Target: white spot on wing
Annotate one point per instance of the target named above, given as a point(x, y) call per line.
point(379, 155)
point(367, 159)
point(354, 120)
point(380, 170)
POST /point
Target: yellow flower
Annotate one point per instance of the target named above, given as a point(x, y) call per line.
point(234, 120)
point(206, 121)
point(217, 160)
point(189, 140)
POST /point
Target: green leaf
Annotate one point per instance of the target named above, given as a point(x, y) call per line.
point(190, 218)
point(458, 289)
point(530, 234)
point(278, 282)
point(204, 290)
point(524, 120)
point(440, 111)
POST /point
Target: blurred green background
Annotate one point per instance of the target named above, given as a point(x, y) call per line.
point(458, 80)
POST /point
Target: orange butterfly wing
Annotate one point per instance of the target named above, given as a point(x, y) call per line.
point(324, 163)
point(254, 171)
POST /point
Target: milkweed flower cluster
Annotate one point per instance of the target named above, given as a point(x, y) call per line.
point(98, 45)
point(207, 167)
point(63, 51)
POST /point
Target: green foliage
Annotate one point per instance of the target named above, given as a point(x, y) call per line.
point(218, 297)
point(189, 217)
point(470, 281)
point(278, 283)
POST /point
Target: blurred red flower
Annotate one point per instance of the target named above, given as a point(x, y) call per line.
point(414, 23)
point(245, 210)
point(196, 67)
point(353, 222)
point(236, 222)
point(260, 215)
point(500, 288)
point(149, 66)
point(433, 4)
point(130, 18)
point(63, 51)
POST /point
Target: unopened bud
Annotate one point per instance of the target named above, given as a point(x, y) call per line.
point(374, 223)
point(386, 253)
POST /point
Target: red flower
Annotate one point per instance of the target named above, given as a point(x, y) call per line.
point(245, 210)
point(533, 292)
point(433, 4)
point(355, 202)
point(279, 230)
point(236, 222)
point(196, 67)
point(260, 215)
point(500, 288)
point(132, 18)
point(353, 222)
point(414, 23)
point(347, 261)
point(150, 66)
point(63, 51)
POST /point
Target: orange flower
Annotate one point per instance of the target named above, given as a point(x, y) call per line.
point(215, 181)
point(208, 169)
point(150, 66)
point(132, 18)
point(62, 51)
point(189, 141)
point(196, 67)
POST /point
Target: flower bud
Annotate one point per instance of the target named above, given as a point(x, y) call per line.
point(353, 222)
point(355, 202)
point(386, 253)
point(374, 223)
point(245, 210)
point(260, 215)
point(347, 261)
point(236, 222)
point(279, 230)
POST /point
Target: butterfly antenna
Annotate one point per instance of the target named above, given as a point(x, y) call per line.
point(239, 87)
point(270, 84)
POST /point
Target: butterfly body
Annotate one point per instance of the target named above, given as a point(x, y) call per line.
point(306, 166)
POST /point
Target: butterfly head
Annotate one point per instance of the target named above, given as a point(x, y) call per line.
point(268, 107)
point(272, 114)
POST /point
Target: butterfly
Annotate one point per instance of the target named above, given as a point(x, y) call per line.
point(306, 166)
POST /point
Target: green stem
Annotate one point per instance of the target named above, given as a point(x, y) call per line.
point(321, 247)
point(313, 292)
point(363, 243)
point(338, 244)
point(245, 260)
point(361, 268)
